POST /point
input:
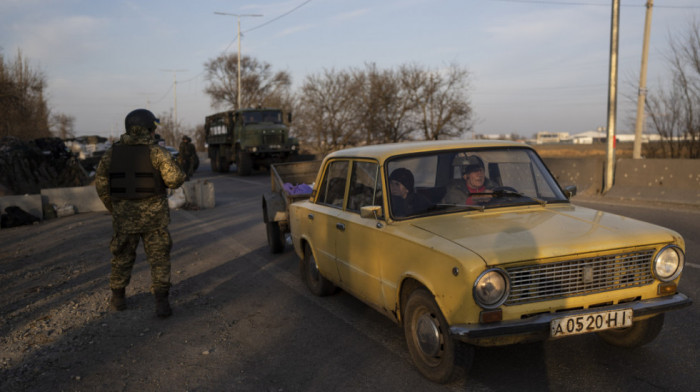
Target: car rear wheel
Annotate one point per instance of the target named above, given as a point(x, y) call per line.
point(639, 334)
point(318, 285)
point(436, 355)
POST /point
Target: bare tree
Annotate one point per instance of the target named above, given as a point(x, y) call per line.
point(23, 110)
point(674, 112)
point(62, 125)
point(199, 138)
point(169, 130)
point(328, 118)
point(386, 105)
point(442, 107)
point(260, 86)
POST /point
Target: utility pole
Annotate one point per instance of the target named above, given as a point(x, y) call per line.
point(174, 71)
point(612, 96)
point(641, 98)
point(238, 37)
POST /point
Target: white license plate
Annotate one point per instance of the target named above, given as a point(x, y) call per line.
point(591, 322)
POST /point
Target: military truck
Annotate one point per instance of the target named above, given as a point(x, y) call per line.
point(251, 138)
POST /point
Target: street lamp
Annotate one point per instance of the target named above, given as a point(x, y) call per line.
point(238, 37)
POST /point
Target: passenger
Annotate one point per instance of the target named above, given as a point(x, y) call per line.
point(471, 188)
point(404, 200)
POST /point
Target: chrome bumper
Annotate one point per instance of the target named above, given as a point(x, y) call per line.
point(541, 323)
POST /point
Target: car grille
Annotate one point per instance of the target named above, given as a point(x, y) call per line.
point(576, 277)
point(277, 140)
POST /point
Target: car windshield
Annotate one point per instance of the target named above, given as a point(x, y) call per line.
point(475, 179)
point(263, 116)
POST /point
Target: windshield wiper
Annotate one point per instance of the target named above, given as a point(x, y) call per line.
point(507, 193)
point(460, 207)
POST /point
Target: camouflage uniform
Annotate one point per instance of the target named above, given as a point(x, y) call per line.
point(145, 219)
point(186, 156)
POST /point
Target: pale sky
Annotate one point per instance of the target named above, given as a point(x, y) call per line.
point(535, 65)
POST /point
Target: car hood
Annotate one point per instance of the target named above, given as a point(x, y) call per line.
point(538, 233)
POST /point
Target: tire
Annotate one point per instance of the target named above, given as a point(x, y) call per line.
point(214, 160)
point(310, 274)
point(438, 357)
point(275, 238)
point(223, 164)
point(244, 163)
point(639, 334)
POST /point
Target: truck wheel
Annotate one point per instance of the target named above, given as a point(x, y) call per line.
point(437, 356)
point(214, 160)
point(275, 238)
point(639, 334)
point(310, 274)
point(223, 164)
point(244, 163)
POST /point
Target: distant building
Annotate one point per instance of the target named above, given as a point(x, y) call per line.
point(552, 137)
point(601, 136)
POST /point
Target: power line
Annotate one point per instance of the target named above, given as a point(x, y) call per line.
point(236, 39)
point(279, 17)
point(578, 3)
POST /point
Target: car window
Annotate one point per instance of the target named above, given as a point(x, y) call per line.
point(476, 178)
point(363, 186)
point(332, 188)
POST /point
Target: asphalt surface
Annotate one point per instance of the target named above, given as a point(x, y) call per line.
point(244, 321)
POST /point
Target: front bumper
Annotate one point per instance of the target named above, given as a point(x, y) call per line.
point(537, 327)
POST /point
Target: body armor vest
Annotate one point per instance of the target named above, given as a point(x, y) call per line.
point(132, 175)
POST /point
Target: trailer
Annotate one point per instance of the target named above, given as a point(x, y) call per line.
point(290, 182)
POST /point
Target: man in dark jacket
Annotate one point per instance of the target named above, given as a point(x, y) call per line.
point(187, 156)
point(131, 181)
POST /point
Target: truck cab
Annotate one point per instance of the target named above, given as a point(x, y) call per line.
point(249, 137)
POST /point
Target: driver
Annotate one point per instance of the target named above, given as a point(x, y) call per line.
point(470, 188)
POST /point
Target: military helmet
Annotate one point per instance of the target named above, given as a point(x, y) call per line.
point(141, 118)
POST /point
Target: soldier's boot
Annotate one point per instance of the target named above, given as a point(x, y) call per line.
point(118, 302)
point(162, 305)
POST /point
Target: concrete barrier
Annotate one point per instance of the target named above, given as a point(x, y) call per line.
point(657, 180)
point(82, 198)
point(585, 173)
point(29, 203)
point(200, 193)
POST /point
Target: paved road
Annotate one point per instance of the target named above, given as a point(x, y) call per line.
point(368, 352)
point(244, 321)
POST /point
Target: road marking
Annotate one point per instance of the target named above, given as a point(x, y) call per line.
point(693, 265)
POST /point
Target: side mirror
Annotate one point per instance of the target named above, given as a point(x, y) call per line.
point(371, 212)
point(570, 191)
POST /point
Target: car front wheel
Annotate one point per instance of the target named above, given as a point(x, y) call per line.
point(436, 355)
point(639, 334)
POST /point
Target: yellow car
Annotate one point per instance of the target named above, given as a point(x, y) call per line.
point(469, 243)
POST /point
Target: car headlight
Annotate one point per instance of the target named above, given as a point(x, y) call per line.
point(491, 288)
point(668, 263)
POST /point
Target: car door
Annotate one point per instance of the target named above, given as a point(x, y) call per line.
point(358, 240)
point(322, 217)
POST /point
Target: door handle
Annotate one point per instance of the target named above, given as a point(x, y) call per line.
point(311, 216)
point(340, 226)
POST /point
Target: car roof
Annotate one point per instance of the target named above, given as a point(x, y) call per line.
point(384, 151)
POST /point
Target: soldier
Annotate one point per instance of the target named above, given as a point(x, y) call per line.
point(187, 156)
point(131, 181)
